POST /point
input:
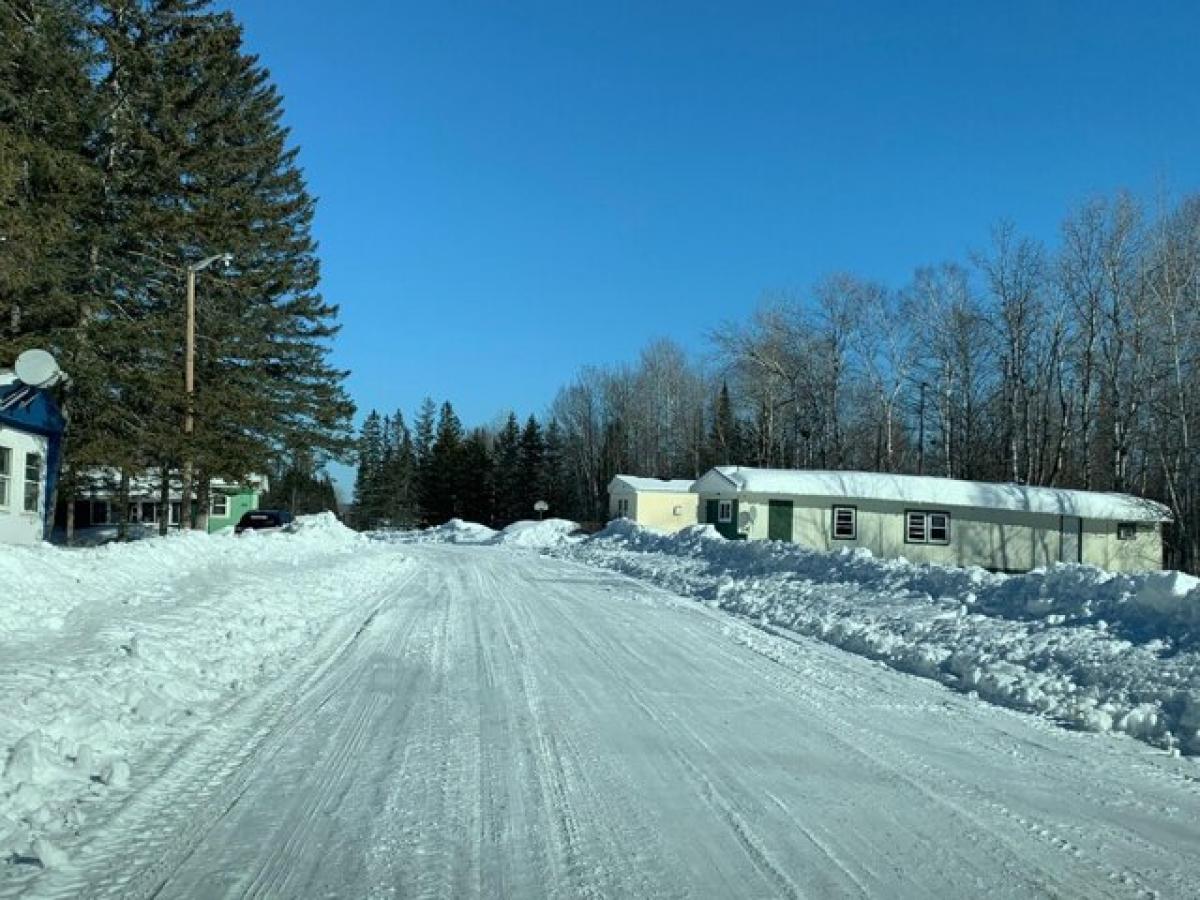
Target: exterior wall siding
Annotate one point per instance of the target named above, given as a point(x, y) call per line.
point(239, 504)
point(1004, 540)
point(660, 510)
point(16, 525)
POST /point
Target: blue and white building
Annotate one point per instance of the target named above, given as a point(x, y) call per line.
point(31, 435)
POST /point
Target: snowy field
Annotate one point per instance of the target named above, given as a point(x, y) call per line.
point(464, 712)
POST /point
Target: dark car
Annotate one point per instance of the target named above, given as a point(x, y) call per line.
point(263, 519)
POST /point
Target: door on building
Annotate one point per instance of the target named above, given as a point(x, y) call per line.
point(779, 520)
point(1071, 540)
point(722, 515)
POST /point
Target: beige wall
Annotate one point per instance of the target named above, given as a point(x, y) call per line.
point(1006, 540)
point(660, 510)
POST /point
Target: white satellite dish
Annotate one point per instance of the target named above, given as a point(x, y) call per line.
point(38, 369)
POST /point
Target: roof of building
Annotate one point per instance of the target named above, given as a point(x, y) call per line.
point(926, 490)
point(637, 483)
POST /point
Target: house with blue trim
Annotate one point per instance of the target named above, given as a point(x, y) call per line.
point(31, 439)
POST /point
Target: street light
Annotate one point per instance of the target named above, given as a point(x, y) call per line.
point(189, 382)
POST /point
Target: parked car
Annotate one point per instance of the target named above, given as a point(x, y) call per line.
point(264, 520)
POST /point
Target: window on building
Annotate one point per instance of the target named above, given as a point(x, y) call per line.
point(623, 507)
point(218, 505)
point(33, 482)
point(5, 476)
point(725, 511)
point(149, 511)
point(1126, 531)
point(176, 509)
point(845, 523)
point(921, 527)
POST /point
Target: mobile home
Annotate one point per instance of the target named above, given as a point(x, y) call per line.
point(1002, 527)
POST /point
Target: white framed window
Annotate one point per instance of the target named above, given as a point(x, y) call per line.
point(149, 511)
point(1126, 531)
point(218, 505)
point(725, 511)
point(33, 482)
point(623, 507)
point(5, 476)
point(176, 509)
point(923, 527)
point(845, 523)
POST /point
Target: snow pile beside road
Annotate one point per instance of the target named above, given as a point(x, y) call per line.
point(108, 652)
point(1092, 649)
point(538, 535)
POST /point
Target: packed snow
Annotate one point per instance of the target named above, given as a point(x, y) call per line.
point(1090, 649)
point(108, 651)
point(527, 534)
point(328, 714)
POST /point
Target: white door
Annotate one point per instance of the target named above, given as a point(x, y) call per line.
point(1071, 540)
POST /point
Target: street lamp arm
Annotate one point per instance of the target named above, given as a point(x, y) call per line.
point(226, 258)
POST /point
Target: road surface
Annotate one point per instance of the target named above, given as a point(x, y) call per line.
point(507, 725)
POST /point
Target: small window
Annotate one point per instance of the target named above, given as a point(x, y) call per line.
point(5, 475)
point(176, 509)
point(926, 527)
point(939, 528)
point(33, 482)
point(218, 506)
point(845, 523)
point(623, 507)
point(149, 511)
point(1126, 531)
point(725, 511)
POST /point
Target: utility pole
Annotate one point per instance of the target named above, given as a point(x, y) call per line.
point(189, 385)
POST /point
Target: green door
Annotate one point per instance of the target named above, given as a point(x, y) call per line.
point(712, 515)
point(779, 520)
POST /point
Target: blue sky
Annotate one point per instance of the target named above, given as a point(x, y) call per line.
point(510, 191)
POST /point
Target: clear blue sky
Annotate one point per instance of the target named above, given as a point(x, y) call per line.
point(509, 191)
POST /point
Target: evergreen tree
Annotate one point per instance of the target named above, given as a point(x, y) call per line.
point(475, 490)
point(531, 468)
point(442, 501)
point(367, 505)
point(556, 483)
point(400, 474)
point(508, 472)
point(423, 436)
point(723, 439)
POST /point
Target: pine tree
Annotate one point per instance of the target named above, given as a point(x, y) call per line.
point(400, 474)
point(475, 490)
point(423, 435)
point(556, 485)
point(531, 469)
point(723, 439)
point(442, 502)
point(508, 472)
point(367, 506)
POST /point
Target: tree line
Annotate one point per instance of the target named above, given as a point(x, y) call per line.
point(138, 138)
point(1071, 365)
point(437, 471)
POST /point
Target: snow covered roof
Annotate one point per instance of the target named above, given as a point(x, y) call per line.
point(637, 483)
point(927, 490)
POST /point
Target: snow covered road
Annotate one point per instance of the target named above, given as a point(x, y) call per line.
point(502, 724)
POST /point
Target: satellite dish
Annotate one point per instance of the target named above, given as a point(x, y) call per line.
point(38, 369)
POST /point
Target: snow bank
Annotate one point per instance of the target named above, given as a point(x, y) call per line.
point(536, 535)
point(1092, 649)
point(108, 651)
